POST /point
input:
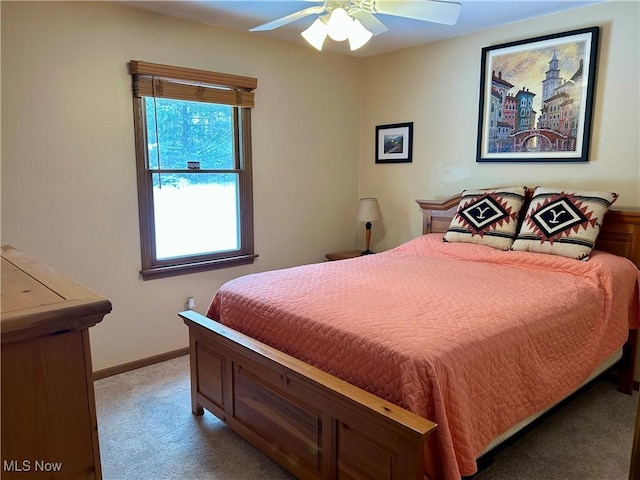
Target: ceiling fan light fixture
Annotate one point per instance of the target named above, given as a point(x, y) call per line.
point(359, 35)
point(339, 25)
point(356, 20)
point(316, 34)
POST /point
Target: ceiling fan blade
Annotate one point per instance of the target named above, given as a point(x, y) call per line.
point(370, 22)
point(288, 19)
point(427, 10)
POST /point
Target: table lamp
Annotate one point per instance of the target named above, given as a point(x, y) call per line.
point(368, 211)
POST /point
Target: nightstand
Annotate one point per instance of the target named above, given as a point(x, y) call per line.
point(343, 255)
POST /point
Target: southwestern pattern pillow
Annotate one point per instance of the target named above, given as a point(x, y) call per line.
point(487, 217)
point(563, 223)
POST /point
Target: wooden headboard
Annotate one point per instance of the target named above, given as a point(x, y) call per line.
point(620, 233)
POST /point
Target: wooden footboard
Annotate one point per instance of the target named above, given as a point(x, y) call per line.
point(312, 423)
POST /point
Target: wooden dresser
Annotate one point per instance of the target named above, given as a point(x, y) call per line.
point(49, 426)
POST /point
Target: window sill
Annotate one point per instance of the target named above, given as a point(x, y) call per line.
point(175, 270)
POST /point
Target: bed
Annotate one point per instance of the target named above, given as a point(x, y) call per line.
point(359, 395)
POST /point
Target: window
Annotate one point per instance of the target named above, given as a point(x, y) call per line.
point(193, 156)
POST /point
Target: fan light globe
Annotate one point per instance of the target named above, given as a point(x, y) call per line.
point(316, 34)
point(358, 35)
point(340, 24)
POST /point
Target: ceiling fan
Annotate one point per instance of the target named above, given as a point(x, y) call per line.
point(355, 20)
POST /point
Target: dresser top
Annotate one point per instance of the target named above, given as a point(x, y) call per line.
point(37, 300)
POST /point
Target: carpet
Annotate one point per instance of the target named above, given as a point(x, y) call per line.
point(147, 431)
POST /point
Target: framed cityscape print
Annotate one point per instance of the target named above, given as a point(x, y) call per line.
point(394, 143)
point(536, 98)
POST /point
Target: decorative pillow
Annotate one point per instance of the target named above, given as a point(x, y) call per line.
point(487, 217)
point(562, 222)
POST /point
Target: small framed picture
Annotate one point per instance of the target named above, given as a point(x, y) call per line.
point(394, 143)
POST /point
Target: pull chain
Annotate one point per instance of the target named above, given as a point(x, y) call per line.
point(155, 118)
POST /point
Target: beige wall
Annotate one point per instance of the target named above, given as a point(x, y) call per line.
point(68, 166)
point(436, 86)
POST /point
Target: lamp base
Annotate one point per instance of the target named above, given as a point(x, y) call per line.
point(366, 252)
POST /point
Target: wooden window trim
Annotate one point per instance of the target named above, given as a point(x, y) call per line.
point(210, 87)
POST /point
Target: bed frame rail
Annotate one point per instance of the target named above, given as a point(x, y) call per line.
point(310, 422)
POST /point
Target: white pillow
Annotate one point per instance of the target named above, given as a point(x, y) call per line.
point(487, 217)
point(563, 222)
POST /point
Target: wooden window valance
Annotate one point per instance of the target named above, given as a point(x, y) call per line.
point(166, 81)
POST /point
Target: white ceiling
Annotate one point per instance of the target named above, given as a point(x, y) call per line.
point(242, 15)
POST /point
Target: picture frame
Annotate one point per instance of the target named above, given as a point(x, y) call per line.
point(394, 143)
point(536, 98)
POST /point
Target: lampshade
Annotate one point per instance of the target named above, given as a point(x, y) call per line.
point(339, 25)
point(369, 210)
point(316, 34)
point(358, 35)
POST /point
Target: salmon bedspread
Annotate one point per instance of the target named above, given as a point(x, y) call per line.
point(472, 338)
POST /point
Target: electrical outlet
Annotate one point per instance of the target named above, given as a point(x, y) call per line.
point(190, 304)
